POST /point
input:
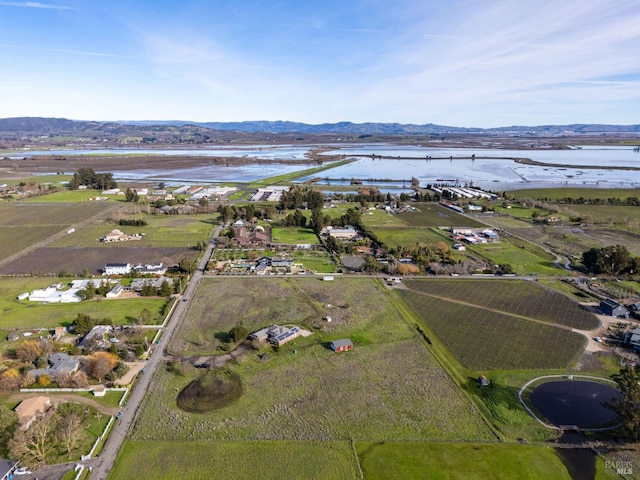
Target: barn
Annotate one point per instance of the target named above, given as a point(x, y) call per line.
point(613, 309)
point(341, 345)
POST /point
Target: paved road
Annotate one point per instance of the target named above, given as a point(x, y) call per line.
point(106, 459)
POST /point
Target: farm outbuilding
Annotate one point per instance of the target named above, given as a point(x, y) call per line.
point(341, 345)
point(613, 308)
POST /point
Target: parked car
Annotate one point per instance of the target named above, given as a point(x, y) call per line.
point(22, 471)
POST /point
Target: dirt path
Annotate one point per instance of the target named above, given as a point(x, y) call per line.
point(57, 398)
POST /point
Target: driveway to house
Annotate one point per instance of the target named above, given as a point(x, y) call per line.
point(58, 398)
point(120, 430)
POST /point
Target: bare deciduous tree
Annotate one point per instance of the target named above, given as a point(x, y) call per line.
point(32, 446)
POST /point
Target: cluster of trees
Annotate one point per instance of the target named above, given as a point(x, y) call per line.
point(132, 222)
point(611, 260)
point(230, 212)
point(426, 197)
point(298, 197)
point(628, 380)
point(90, 179)
point(425, 254)
point(58, 433)
point(131, 196)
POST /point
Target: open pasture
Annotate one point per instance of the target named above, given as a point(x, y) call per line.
point(393, 237)
point(434, 215)
point(51, 261)
point(523, 261)
point(74, 196)
point(516, 297)
point(468, 461)
point(304, 391)
point(482, 339)
point(161, 231)
point(266, 460)
point(221, 303)
point(380, 218)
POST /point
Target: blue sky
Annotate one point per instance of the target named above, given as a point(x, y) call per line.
point(464, 63)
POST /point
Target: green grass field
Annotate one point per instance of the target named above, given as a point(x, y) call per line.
point(317, 260)
point(293, 236)
point(239, 460)
point(468, 461)
point(23, 314)
point(74, 196)
point(160, 231)
point(291, 394)
point(523, 261)
point(393, 237)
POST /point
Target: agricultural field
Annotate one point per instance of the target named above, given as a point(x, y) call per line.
point(554, 194)
point(513, 297)
point(291, 393)
point(161, 231)
point(32, 223)
point(51, 261)
point(434, 215)
point(468, 461)
point(483, 339)
point(27, 215)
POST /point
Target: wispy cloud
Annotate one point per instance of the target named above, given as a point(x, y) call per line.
point(36, 5)
point(70, 52)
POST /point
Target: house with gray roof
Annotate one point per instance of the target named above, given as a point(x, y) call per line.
point(60, 364)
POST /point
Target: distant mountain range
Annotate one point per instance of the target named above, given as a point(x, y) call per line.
point(62, 126)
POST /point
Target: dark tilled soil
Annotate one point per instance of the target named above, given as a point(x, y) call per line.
point(50, 261)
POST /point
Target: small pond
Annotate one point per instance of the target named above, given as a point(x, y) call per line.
point(575, 402)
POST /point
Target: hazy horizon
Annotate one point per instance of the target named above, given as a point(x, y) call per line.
point(466, 64)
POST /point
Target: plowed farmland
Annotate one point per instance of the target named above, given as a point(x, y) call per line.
point(50, 261)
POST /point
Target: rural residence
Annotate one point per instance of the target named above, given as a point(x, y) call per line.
point(117, 268)
point(30, 409)
point(60, 364)
point(276, 334)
